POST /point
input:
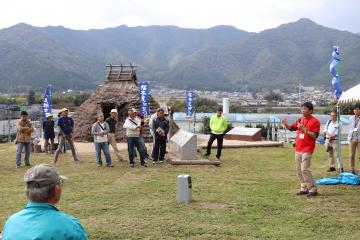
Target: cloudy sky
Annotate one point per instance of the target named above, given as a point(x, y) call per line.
point(249, 15)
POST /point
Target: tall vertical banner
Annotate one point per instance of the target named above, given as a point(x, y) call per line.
point(144, 95)
point(335, 72)
point(46, 105)
point(190, 101)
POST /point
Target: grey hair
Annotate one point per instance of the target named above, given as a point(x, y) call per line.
point(38, 194)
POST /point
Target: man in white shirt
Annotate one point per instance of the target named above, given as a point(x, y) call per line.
point(331, 142)
point(100, 130)
point(133, 125)
point(153, 117)
point(151, 121)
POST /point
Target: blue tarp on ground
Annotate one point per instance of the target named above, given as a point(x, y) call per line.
point(343, 178)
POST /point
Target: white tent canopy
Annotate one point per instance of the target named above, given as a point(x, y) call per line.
point(351, 95)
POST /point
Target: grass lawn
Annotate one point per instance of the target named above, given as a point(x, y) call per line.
point(250, 196)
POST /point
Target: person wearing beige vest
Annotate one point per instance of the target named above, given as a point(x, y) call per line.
point(331, 142)
point(112, 122)
point(23, 138)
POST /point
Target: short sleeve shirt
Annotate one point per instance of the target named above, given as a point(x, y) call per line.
point(43, 221)
point(304, 143)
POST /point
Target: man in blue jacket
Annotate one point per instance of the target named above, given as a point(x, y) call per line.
point(160, 127)
point(41, 219)
point(66, 125)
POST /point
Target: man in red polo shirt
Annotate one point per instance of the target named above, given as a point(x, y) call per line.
point(308, 128)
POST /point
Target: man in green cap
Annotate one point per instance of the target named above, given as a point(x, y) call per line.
point(41, 219)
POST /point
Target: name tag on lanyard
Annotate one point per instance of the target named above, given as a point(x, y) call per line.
point(302, 135)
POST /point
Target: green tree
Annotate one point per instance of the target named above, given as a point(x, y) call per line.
point(176, 105)
point(80, 98)
point(31, 98)
point(273, 96)
point(201, 104)
point(20, 100)
point(205, 128)
point(7, 100)
point(236, 108)
point(205, 105)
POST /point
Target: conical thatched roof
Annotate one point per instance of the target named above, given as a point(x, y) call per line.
point(120, 91)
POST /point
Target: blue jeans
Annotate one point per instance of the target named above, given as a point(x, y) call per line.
point(143, 147)
point(27, 153)
point(105, 147)
point(132, 143)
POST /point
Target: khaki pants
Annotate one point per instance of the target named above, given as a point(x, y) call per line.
point(303, 171)
point(333, 154)
point(112, 142)
point(63, 140)
point(353, 145)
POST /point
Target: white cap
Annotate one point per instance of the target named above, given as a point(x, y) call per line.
point(113, 111)
point(48, 115)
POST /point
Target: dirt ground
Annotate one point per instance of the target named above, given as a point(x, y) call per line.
point(88, 147)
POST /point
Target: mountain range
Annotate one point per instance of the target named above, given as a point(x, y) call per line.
point(218, 58)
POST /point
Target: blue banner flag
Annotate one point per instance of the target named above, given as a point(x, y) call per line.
point(190, 98)
point(334, 72)
point(46, 105)
point(144, 95)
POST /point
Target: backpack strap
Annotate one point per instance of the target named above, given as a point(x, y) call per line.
point(328, 123)
point(132, 121)
point(101, 126)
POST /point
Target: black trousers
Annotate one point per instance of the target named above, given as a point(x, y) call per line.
point(159, 148)
point(219, 138)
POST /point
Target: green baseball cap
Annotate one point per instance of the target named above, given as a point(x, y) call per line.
point(43, 175)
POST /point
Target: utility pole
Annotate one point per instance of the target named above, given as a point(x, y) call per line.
point(194, 121)
point(9, 125)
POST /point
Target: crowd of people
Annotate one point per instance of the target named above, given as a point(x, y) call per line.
point(43, 182)
point(103, 132)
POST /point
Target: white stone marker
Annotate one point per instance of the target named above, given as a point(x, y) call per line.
point(184, 145)
point(184, 189)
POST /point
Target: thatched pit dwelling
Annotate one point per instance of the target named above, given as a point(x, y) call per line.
point(119, 90)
